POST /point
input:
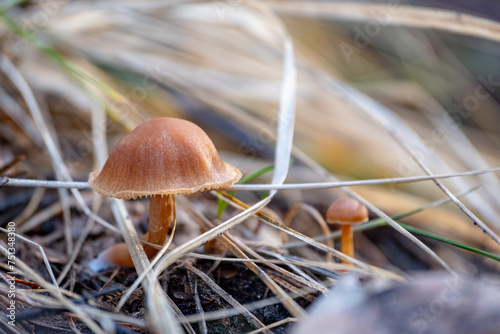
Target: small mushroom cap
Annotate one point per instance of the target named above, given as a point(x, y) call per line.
point(163, 156)
point(346, 211)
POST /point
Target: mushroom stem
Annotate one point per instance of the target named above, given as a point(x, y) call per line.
point(161, 214)
point(347, 241)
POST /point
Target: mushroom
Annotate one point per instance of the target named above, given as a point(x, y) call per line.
point(160, 158)
point(347, 212)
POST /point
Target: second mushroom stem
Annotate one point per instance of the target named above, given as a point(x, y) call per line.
point(161, 215)
point(347, 242)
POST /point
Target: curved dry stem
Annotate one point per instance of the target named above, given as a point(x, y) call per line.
point(316, 216)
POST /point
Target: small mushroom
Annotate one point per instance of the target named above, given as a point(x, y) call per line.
point(347, 212)
point(160, 158)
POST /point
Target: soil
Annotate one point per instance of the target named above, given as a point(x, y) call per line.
point(235, 278)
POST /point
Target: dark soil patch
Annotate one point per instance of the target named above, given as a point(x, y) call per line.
point(235, 278)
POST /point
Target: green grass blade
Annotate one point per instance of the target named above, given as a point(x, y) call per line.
point(223, 205)
point(426, 234)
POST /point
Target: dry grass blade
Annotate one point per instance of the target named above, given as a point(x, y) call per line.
point(48, 212)
point(161, 314)
point(284, 298)
point(320, 170)
point(304, 281)
point(98, 119)
point(405, 137)
point(465, 151)
point(56, 208)
point(180, 316)
point(340, 184)
point(334, 266)
point(81, 239)
point(159, 310)
point(39, 298)
point(130, 235)
point(58, 164)
point(151, 265)
point(12, 182)
point(276, 324)
point(44, 256)
point(30, 209)
point(286, 117)
point(249, 306)
point(395, 14)
point(79, 198)
point(235, 247)
point(98, 127)
point(252, 319)
point(317, 218)
point(56, 292)
point(14, 110)
point(191, 245)
point(268, 220)
point(311, 282)
point(401, 230)
point(286, 114)
point(337, 234)
point(193, 283)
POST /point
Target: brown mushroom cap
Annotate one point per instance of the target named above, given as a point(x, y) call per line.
point(346, 211)
point(160, 157)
